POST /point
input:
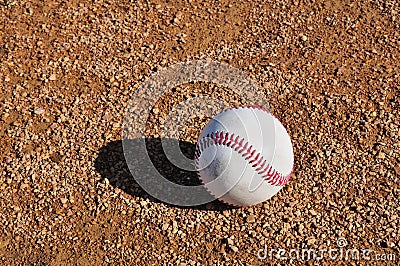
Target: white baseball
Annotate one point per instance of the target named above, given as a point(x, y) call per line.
point(244, 156)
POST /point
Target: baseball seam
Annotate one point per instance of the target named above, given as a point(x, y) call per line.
point(256, 160)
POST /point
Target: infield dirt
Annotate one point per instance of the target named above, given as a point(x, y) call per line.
point(330, 72)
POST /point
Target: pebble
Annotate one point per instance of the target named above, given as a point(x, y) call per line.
point(165, 226)
point(303, 37)
point(63, 200)
point(53, 77)
point(381, 155)
point(39, 111)
point(250, 218)
point(234, 248)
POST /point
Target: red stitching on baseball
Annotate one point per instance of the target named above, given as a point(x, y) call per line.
point(261, 166)
point(255, 159)
point(272, 176)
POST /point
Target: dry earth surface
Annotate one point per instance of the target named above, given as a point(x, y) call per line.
point(330, 71)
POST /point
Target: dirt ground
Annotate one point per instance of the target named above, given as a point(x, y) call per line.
point(329, 70)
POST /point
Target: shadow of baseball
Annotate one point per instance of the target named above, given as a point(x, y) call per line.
point(111, 165)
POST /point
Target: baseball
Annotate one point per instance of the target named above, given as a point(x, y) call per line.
point(244, 156)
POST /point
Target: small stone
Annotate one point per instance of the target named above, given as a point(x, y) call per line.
point(251, 218)
point(178, 17)
point(5, 116)
point(339, 71)
point(63, 200)
point(234, 248)
point(381, 155)
point(313, 213)
point(39, 111)
point(7, 79)
point(311, 241)
point(23, 186)
point(53, 77)
point(165, 226)
point(303, 37)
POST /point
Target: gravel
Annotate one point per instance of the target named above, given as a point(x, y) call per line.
point(330, 72)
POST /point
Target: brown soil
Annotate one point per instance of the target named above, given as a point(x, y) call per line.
point(331, 70)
